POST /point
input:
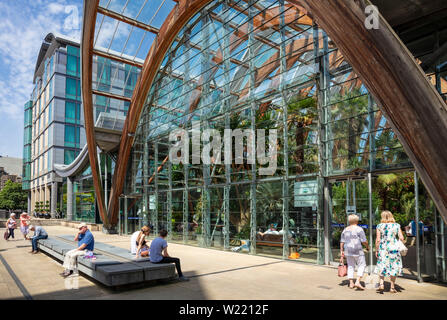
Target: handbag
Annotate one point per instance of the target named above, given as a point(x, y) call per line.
point(402, 248)
point(342, 268)
point(6, 235)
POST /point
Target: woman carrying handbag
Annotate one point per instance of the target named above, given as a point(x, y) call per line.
point(342, 268)
point(388, 252)
point(351, 245)
point(11, 224)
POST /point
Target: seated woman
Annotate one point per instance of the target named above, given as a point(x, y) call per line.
point(142, 245)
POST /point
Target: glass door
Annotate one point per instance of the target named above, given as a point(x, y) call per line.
point(348, 196)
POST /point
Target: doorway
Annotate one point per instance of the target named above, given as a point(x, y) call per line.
point(405, 196)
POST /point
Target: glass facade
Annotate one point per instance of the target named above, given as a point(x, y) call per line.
point(27, 139)
point(57, 133)
point(253, 65)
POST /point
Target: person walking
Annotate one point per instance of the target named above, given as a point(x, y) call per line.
point(86, 244)
point(351, 246)
point(389, 260)
point(11, 224)
point(39, 233)
point(159, 254)
point(24, 224)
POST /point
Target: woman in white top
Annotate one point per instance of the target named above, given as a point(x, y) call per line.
point(352, 239)
point(11, 224)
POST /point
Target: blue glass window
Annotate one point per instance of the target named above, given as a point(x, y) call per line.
point(69, 156)
point(72, 134)
point(72, 89)
point(72, 65)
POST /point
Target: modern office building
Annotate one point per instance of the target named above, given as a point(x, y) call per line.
point(54, 136)
point(54, 130)
point(358, 123)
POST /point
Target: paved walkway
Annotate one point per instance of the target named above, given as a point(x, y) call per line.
point(214, 275)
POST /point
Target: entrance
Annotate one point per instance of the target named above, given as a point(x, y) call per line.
point(349, 196)
point(131, 215)
point(402, 194)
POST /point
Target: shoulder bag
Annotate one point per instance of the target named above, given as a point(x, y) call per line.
point(402, 248)
point(342, 268)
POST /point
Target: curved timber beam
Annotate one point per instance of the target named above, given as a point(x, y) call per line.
point(88, 33)
point(411, 103)
point(415, 110)
point(178, 17)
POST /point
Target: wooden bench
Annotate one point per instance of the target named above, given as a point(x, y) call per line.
point(113, 266)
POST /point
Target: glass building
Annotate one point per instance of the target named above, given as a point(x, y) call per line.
point(206, 67)
point(54, 130)
point(265, 65)
point(27, 138)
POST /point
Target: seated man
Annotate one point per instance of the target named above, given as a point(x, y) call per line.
point(159, 254)
point(39, 233)
point(86, 243)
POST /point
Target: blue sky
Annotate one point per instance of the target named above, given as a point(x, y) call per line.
point(23, 25)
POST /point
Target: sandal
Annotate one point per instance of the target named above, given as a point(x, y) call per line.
point(381, 288)
point(392, 290)
point(359, 286)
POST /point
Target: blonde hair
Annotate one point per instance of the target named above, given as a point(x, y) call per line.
point(387, 217)
point(353, 219)
point(142, 233)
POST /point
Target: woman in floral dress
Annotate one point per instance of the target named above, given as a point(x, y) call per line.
point(389, 260)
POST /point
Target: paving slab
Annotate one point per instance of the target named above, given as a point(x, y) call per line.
point(214, 274)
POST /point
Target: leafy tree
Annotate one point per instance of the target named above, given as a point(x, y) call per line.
point(12, 197)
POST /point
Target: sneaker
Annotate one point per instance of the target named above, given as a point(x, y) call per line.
point(183, 278)
point(34, 252)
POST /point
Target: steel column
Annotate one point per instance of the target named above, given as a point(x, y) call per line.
point(371, 221)
point(169, 200)
point(69, 199)
point(285, 115)
point(416, 218)
point(154, 217)
point(252, 79)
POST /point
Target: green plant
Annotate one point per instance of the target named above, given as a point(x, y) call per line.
point(38, 206)
point(12, 197)
point(244, 233)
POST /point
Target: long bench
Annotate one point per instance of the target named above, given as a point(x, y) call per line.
point(113, 266)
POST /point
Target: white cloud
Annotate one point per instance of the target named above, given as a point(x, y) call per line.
point(22, 30)
point(55, 8)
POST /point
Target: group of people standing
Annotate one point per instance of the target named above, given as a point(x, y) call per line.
point(11, 225)
point(389, 260)
point(25, 228)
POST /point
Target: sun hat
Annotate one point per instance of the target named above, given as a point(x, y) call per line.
point(81, 225)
